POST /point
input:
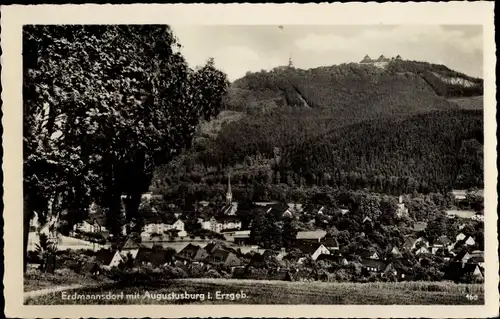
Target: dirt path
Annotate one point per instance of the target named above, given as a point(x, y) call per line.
point(42, 292)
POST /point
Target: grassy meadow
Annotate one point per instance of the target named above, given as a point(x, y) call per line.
point(279, 292)
point(36, 280)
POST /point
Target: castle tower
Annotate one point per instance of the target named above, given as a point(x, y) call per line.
point(229, 194)
point(290, 63)
point(366, 59)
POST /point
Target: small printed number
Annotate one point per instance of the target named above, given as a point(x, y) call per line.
point(471, 297)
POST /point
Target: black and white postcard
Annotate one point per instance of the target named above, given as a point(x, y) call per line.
point(333, 160)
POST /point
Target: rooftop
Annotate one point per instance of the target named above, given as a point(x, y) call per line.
point(315, 234)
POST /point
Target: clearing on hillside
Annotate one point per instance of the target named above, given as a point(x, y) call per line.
point(469, 103)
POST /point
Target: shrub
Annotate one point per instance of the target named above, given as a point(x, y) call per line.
point(212, 273)
point(196, 271)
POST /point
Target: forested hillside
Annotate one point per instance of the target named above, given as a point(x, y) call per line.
point(388, 130)
point(404, 86)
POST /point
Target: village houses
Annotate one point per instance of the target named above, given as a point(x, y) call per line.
point(411, 243)
point(222, 223)
point(88, 226)
point(160, 227)
point(314, 250)
point(368, 254)
point(108, 259)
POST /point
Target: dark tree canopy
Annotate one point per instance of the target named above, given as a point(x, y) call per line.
point(104, 105)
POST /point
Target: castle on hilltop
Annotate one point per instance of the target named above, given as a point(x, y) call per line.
point(381, 62)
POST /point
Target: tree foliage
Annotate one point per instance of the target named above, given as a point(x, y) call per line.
point(103, 106)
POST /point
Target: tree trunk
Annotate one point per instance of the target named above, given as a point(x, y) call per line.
point(27, 214)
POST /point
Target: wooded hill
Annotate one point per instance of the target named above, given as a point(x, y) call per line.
point(388, 130)
point(403, 86)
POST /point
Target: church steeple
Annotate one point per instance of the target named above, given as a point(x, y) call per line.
point(229, 194)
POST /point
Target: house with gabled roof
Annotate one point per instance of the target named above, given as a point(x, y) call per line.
point(288, 214)
point(89, 226)
point(479, 260)
point(463, 256)
point(295, 207)
point(158, 257)
point(457, 270)
point(220, 223)
point(193, 253)
point(390, 269)
point(313, 249)
point(240, 237)
point(90, 267)
point(477, 257)
point(373, 265)
point(459, 194)
point(344, 211)
point(330, 242)
point(158, 225)
point(210, 247)
point(419, 226)
point(442, 241)
point(464, 240)
point(131, 247)
point(412, 242)
point(223, 256)
point(459, 237)
point(311, 236)
point(470, 241)
point(369, 254)
point(395, 253)
point(108, 259)
point(367, 220)
point(229, 209)
point(422, 250)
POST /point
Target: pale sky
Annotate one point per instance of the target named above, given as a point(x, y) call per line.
point(238, 49)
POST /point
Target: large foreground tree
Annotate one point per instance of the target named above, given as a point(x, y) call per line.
point(103, 105)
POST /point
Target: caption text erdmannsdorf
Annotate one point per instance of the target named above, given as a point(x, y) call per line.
point(216, 295)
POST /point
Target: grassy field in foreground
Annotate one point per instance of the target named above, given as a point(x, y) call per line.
point(278, 292)
point(36, 280)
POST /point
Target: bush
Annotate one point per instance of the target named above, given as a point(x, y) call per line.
point(145, 274)
point(196, 271)
point(33, 258)
point(212, 273)
point(342, 275)
point(260, 274)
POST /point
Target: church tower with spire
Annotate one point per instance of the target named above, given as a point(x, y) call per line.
point(229, 194)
